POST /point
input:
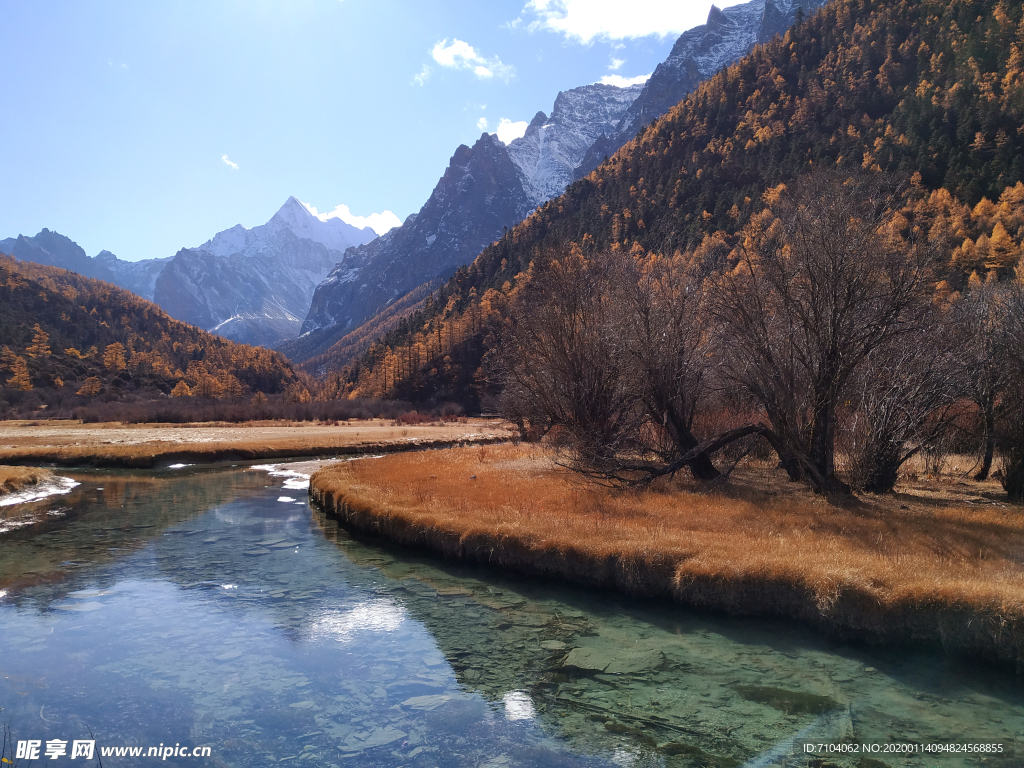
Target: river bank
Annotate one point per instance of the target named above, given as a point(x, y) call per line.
point(15, 479)
point(936, 562)
point(64, 443)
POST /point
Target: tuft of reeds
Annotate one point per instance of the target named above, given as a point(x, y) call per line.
point(885, 569)
point(14, 479)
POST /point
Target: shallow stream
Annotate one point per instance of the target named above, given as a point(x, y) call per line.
point(213, 607)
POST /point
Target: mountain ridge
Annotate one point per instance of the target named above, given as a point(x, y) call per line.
point(69, 339)
point(585, 124)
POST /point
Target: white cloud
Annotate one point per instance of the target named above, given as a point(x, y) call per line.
point(616, 63)
point(507, 131)
point(482, 123)
point(421, 78)
point(623, 82)
point(228, 163)
point(461, 55)
point(378, 222)
point(587, 20)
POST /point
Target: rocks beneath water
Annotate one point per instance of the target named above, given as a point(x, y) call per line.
point(613, 661)
point(790, 702)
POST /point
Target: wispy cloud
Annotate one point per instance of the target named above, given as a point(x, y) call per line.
point(616, 63)
point(378, 222)
point(228, 163)
point(482, 123)
point(507, 131)
point(587, 20)
point(461, 55)
point(624, 82)
point(423, 75)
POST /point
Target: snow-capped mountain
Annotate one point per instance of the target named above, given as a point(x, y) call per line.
point(296, 218)
point(486, 188)
point(255, 285)
point(552, 147)
point(699, 53)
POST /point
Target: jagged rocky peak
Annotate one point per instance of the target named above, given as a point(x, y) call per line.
point(478, 195)
point(717, 17)
point(552, 147)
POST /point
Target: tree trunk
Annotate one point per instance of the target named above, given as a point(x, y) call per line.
point(990, 442)
point(822, 472)
point(701, 466)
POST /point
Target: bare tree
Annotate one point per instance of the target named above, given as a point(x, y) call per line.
point(668, 352)
point(900, 402)
point(562, 360)
point(1011, 428)
point(982, 317)
point(613, 349)
point(824, 278)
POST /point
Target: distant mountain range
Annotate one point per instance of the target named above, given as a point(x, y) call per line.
point(255, 285)
point(56, 250)
point(250, 285)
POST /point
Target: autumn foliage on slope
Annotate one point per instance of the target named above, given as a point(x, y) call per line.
point(931, 91)
point(67, 336)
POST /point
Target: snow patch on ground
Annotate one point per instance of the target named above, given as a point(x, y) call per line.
point(41, 491)
point(295, 480)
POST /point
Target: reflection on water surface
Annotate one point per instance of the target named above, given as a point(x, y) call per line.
point(194, 607)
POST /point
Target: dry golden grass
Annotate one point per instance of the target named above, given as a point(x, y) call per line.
point(73, 443)
point(14, 479)
point(760, 539)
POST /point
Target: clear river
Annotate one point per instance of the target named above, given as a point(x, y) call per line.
point(213, 607)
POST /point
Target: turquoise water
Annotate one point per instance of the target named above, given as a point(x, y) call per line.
point(215, 608)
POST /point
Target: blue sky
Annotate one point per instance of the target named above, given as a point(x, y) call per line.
point(144, 127)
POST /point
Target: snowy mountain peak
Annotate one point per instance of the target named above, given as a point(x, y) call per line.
point(293, 213)
point(295, 217)
point(539, 119)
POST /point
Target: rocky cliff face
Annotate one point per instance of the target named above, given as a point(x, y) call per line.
point(257, 297)
point(698, 54)
point(479, 194)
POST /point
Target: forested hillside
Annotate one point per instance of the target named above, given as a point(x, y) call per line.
point(65, 336)
point(931, 92)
